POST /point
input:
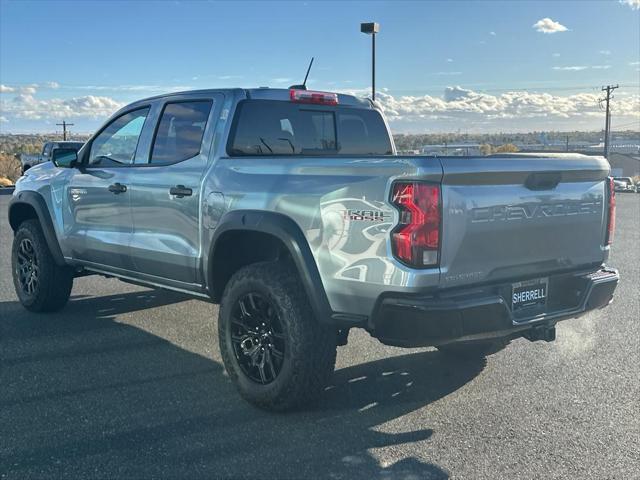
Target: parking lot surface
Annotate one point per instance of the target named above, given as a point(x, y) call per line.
point(127, 382)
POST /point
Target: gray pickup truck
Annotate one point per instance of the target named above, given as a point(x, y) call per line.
point(291, 209)
point(29, 161)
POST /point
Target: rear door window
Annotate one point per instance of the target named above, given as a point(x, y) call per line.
point(180, 131)
point(266, 127)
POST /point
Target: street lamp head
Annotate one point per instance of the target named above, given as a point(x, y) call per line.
point(370, 28)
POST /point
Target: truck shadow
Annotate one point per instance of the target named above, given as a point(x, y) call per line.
point(85, 396)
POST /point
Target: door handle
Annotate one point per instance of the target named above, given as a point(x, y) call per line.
point(180, 191)
point(117, 188)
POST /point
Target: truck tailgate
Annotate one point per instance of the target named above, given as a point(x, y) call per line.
point(521, 216)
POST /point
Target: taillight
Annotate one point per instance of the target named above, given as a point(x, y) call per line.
point(611, 217)
point(309, 96)
point(416, 239)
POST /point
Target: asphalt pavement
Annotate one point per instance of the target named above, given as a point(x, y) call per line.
point(127, 382)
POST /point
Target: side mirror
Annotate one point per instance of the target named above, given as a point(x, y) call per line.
point(65, 157)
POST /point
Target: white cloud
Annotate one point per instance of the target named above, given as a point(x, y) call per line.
point(3, 119)
point(52, 85)
point(448, 73)
point(492, 34)
point(555, 55)
point(574, 68)
point(546, 25)
point(135, 88)
point(451, 94)
point(531, 109)
point(577, 68)
point(449, 60)
point(29, 89)
point(633, 64)
point(281, 80)
point(605, 52)
point(26, 106)
point(634, 4)
point(6, 89)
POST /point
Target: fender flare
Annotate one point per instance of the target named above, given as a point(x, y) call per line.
point(289, 233)
point(35, 201)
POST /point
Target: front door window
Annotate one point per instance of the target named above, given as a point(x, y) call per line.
point(116, 145)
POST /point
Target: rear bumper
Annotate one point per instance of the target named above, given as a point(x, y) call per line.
point(485, 312)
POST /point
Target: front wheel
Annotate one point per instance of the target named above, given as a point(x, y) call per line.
point(276, 352)
point(40, 283)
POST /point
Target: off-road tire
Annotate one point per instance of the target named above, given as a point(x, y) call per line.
point(54, 283)
point(475, 349)
point(309, 348)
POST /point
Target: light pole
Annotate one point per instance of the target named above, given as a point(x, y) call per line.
point(371, 29)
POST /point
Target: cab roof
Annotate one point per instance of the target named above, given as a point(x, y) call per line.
point(262, 93)
point(283, 94)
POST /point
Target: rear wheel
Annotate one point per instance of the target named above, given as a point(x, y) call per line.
point(276, 353)
point(473, 350)
point(40, 283)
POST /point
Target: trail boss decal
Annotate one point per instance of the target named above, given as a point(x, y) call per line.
point(365, 215)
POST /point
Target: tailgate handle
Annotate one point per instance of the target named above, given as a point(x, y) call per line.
point(543, 180)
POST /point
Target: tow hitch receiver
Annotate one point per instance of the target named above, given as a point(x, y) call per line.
point(548, 334)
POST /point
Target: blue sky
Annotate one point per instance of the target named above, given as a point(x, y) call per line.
point(442, 66)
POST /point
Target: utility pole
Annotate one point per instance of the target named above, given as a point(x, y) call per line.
point(64, 126)
point(607, 122)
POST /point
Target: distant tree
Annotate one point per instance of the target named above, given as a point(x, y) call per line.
point(486, 149)
point(9, 169)
point(507, 148)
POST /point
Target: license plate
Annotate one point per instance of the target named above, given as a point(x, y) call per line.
point(532, 293)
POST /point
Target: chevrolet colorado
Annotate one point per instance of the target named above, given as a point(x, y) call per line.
point(291, 209)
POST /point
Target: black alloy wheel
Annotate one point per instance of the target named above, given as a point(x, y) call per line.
point(40, 283)
point(277, 354)
point(257, 337)
point(27, 267)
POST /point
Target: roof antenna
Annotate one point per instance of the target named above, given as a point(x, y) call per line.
point(304, 84)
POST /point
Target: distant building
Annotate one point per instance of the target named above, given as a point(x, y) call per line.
point(453, 149)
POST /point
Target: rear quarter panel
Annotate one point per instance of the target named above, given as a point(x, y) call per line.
point(341, 206)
